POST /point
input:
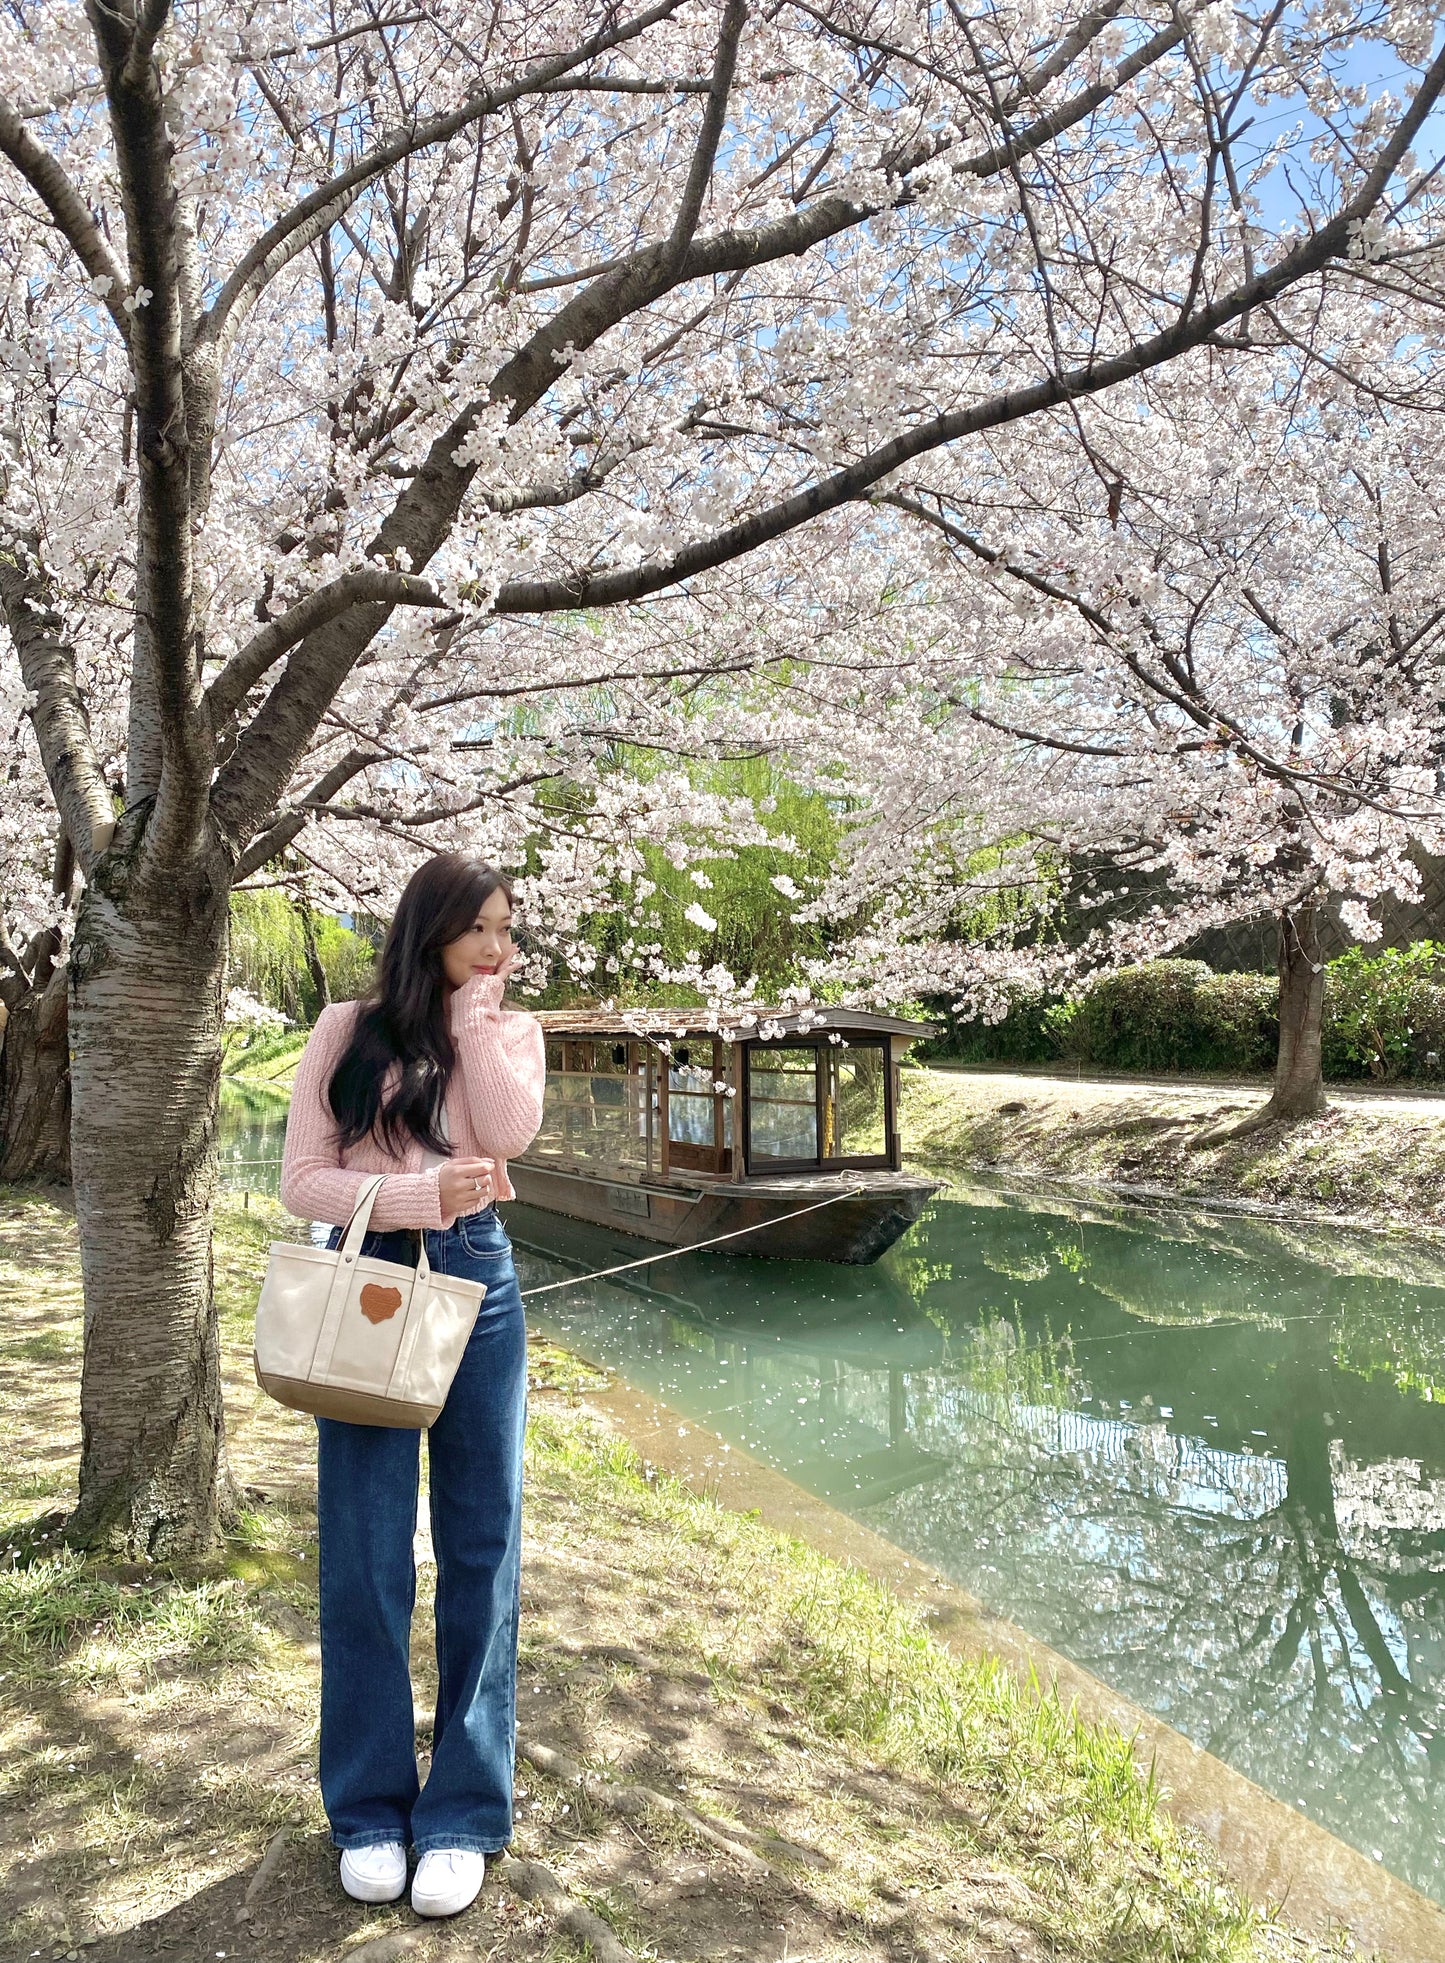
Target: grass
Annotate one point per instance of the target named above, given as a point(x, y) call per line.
point(1359, 1161)
point(265, 1059)
point(159, 1724)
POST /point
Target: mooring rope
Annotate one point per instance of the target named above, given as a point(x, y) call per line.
point(693, 1247)
point(623, 1267)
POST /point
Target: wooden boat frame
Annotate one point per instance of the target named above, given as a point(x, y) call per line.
point(684, 1189)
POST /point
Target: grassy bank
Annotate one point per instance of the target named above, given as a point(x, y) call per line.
point(263, 1058)
point(1375, 1160)
point(818, 1778)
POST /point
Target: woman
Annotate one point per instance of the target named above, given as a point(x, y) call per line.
point(429, 1080)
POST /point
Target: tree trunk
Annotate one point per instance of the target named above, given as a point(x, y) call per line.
point(1299, 1084)
point(35, 1079)
point(148, 965)
point(313, 957)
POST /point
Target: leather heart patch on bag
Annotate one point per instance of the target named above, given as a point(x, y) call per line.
point(378, 1302)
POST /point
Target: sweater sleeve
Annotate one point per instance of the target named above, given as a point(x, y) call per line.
point(314, 1183)
point(502, 1058)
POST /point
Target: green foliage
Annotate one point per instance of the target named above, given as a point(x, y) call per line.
point(1176, 1015)
point(1385, 1013)
point(755, 932)
point(1384, 1019)
point(268, 955)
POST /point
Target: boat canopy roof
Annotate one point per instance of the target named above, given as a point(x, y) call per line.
point(749, 1021)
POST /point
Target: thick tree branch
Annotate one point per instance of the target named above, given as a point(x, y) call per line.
point(67, 211)
point(58, 714)
point(290, 824)
point(165, 612)
point(704, 154)
point(628, 85)
point(249, 664)
point(151, 18)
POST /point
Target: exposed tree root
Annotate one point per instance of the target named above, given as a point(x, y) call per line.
point(1257, 1121)
point(615, 1796)
point(261, 1879)
point(535, 1883)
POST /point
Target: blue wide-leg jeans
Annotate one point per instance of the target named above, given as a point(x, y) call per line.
point(367, 1480)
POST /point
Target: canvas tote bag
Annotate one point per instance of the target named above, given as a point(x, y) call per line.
point(345, 1335)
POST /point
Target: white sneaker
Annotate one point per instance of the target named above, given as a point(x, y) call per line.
point(374, 1874)
point(448, 1879)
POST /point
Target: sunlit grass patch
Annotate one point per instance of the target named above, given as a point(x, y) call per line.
point(65, 1620)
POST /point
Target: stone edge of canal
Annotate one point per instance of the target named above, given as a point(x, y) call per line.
point(1276, 1855)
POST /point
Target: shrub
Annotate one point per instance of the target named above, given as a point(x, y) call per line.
point(1176, 1015)
point(1385, 1013)
point(1384, 1020)
point(1026, 1034)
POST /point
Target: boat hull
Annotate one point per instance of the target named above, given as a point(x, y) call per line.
point(854, 1217)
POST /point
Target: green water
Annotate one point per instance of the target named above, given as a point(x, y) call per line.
point(1203, 1457)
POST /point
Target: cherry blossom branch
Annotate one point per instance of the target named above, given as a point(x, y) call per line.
point(1184, 333)
point(290, 234)
point(67, 213)
point(427, 510)
point(1220, 727)
point(425, 513)
point(246, 667)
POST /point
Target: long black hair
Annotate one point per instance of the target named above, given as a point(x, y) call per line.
point(403, 1015)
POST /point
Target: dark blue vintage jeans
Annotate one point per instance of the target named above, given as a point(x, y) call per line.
point(367, 1480)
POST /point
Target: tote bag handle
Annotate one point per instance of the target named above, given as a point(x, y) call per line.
point(356, 1226)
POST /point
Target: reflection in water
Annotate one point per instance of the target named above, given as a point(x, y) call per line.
point(253, 1131)
point(1206, 1468)
point(1204, 1459)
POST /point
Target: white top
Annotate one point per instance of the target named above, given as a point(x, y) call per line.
point(430, 1158)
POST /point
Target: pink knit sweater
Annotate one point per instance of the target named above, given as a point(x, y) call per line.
point(493, 1109)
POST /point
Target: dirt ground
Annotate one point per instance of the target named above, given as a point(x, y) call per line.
point(1375, 1160)
point(763, 1755)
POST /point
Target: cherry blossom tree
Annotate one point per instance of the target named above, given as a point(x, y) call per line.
point(343, 349)
point(1211, 616)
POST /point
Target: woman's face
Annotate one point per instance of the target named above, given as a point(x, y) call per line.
point(486, 944)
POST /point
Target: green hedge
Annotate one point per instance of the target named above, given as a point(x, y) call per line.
point(1384, 1020)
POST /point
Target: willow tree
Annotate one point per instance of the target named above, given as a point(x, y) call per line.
point(337, 341)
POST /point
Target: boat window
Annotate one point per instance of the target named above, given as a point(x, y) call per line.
point(697, 1112)
point(823, 1104)
point(783, 1104)
point(597, 1109)
point(854, 1110)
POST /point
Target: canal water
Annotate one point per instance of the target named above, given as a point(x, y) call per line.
point(1204, 1457)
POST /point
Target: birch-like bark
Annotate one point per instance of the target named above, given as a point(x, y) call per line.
point(148, 962)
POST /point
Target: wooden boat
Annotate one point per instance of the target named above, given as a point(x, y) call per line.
point(779, 1129)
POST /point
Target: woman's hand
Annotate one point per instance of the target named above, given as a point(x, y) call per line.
point(467, 1184)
